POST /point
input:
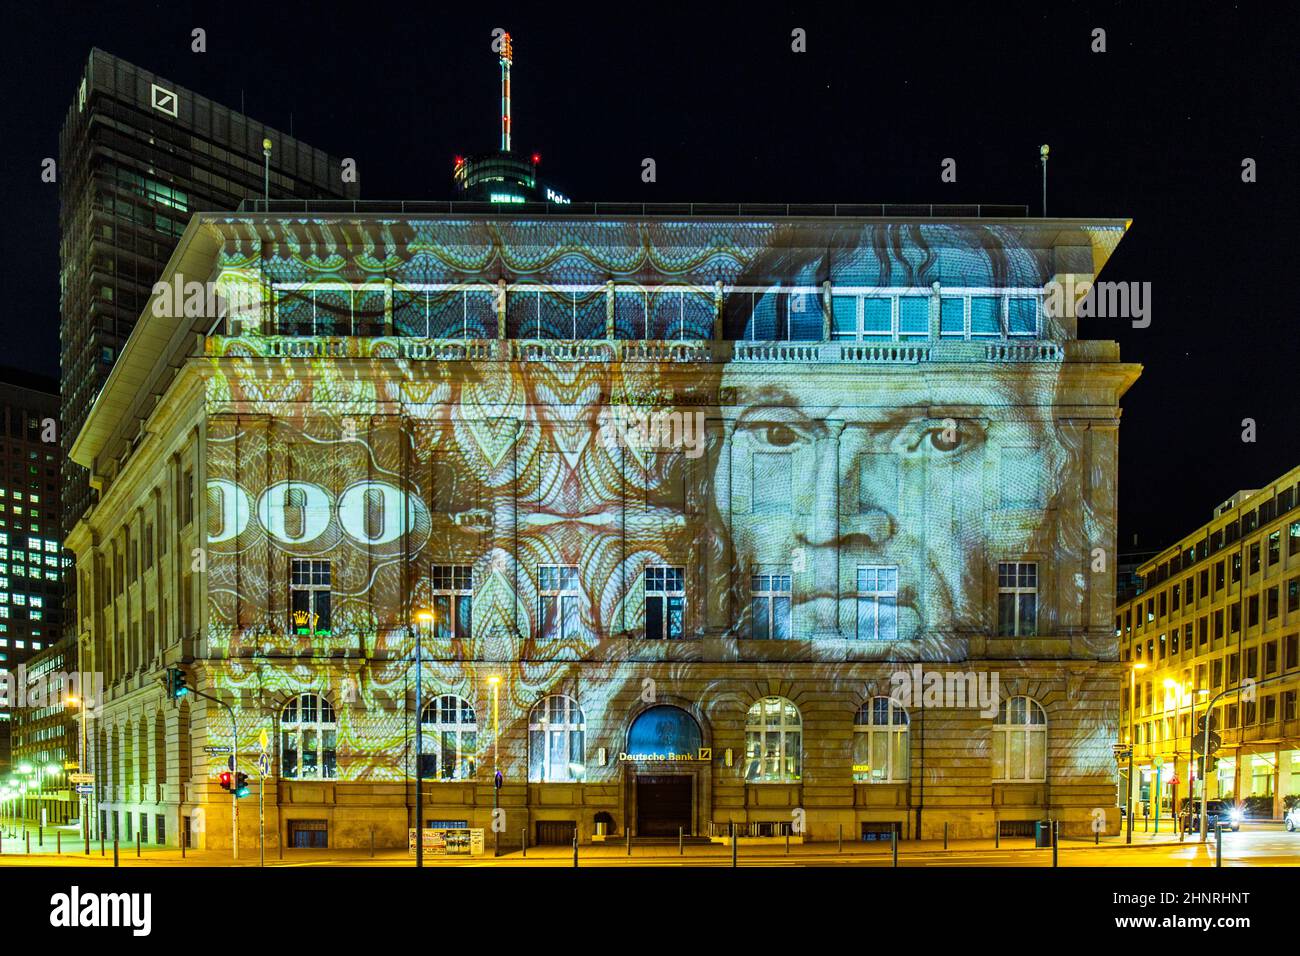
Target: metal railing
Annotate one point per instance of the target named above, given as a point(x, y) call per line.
point(379, 207)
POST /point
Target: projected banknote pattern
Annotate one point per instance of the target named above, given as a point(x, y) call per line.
point(370, 471)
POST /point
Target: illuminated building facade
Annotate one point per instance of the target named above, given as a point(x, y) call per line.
point(31, 556)
point(1219, 612)
point(138, 156)
point(701, 507)
point(45, 737)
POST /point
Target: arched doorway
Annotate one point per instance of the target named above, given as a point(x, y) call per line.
point(664, 746)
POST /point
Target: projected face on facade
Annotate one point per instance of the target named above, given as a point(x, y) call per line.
point(555, 501)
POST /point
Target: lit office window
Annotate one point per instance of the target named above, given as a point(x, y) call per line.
point(556, 744)
point(1019, 739)
point(308, 730)
point(770, 607)
point(450, 739)
point(557, 599)
point(309, 597)
point(877, 603)
point(452, 586)
point(665, 603)
point(773, 742)
point(880, 745)
point(1018, 599)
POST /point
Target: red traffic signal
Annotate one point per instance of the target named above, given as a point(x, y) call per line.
point(224, 778)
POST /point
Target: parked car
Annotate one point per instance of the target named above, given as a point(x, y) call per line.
point(1293, 819)
point(1216, 811)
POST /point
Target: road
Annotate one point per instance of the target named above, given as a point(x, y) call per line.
point(1255, 845)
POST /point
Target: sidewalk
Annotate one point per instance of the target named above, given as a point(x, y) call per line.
point(73, 851)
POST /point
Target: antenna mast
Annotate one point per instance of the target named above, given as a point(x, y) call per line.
point(507, 55)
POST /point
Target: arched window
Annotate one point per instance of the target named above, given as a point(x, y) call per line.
point(556, 731)
point(450, 739)
point(1020, 742)
point(880, 747)
point(308, 730)
point(773, 742)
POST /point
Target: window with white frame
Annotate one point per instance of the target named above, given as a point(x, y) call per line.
point(309, 597)
point(556, 744)
point(449, 744)
point(1017, 598)
point(877, 603)
point(769, 606)
point(880, 743)
point(557, 600)
point(1019, 740)
point(773, 742)
point(308, 731)
point(665, 603)
point(452, 588)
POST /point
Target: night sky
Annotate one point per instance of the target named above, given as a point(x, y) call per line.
point(1154, 129)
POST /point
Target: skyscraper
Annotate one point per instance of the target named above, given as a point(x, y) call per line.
point(30, 539)
point(138, 155)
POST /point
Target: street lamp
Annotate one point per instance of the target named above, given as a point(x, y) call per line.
point(83, 799)
point(425, 619)
point(495, 683)
point(1132, 707)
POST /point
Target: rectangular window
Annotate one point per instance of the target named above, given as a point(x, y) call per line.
point(187, 497)
point(1218, 576)
point(913, 316)
point(452, 589)
point(1293, 595)
point(1254, 558)
point(1017, 599)
point(877, 603)
point(309, 597)
point(952, 318)
point(770, 607)
point(1271, 599)
point(557, 598)
point(665, 603)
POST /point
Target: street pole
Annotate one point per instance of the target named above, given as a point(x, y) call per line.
point(234, 767)
point(423, 617)
point(496, 789)
point(261, 819)
point(1132, 707)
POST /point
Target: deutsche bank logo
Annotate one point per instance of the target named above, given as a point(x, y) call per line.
point(163, 100)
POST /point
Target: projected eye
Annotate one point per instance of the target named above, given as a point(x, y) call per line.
point(779, 435)
point(949, 439)
point(945, 439)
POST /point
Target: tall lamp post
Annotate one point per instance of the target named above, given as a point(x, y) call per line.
point(83, 800)
point(495, 683)
point(1132, 708)
point(425, 619)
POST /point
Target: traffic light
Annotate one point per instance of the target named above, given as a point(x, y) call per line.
point(1201, 772)
point(1214, 723)
point(176, 683)
point(240, 784)
point(225, 778)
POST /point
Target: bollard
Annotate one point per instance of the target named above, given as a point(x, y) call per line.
point(681, 841)
point(893, 839)
point(1056, 839)
point(181, 841)
point(523, 840)
point(787, 842)
point(372, 842)
point(997, 836)
point(137, 844)
point(58, 841)
point(945, 834)
point(40, 835)
point(1096, 837)
point(2, 841)
point(575, 849)
point(85, 832)
point(115, 851)
point(27, 840)
point(101, 842)
point(627, 838)
point(734, 841)
point(840, 848)
point(1218, 844)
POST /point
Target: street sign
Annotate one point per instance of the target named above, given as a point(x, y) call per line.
point(1157, 761)
point(264, 764)
point(263, 740)
point(81, 778)
point(216, 750)
point(85, 788)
